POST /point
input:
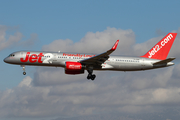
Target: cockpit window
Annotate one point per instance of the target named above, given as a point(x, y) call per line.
point(11, 55)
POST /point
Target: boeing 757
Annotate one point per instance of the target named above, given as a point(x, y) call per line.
point(77, 63)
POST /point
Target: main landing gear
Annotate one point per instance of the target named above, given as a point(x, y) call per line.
point(90, 75)
point(23, 68)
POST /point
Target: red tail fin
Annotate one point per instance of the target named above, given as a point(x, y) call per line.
point(162, 48)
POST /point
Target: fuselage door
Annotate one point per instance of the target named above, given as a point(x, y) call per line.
point(112, 61)
point(142, 63)
point(55, 58)
point(21, 54)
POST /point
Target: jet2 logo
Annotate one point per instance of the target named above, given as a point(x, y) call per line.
point(32, 58)
point(158, 47)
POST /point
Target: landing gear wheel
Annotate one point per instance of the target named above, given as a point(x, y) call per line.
point(89, 76)
point(93, 77)
point(23, 68)
point(24, 73)
point(90, 71)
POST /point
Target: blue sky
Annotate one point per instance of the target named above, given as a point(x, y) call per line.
point(73, 19)
point(37, 24)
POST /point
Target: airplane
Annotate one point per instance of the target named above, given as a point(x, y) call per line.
point(77, 63)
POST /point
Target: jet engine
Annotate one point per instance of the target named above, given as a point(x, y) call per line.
point(74, 68)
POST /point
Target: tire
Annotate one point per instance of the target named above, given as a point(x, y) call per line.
point(93, 77)
point(89, 76)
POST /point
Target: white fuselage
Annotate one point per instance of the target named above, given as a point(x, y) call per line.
point(118, 63)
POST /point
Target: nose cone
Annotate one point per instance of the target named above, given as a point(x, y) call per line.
point(5, 60)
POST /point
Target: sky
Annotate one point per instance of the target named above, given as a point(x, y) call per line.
point(93, 26)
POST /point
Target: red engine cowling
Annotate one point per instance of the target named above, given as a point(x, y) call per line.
point(74, 68)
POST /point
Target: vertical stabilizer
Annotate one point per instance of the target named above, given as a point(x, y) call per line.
point(161, 49)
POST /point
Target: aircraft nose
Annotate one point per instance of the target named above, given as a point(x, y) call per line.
point(5, 60)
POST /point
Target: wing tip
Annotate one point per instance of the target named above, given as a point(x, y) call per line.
point(115, 45)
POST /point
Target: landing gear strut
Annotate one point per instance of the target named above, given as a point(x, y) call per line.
point(90, 75)
point(23, 68)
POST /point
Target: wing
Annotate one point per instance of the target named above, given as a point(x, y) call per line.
point(101, 58)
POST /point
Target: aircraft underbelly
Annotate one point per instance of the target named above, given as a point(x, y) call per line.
point(128, 66)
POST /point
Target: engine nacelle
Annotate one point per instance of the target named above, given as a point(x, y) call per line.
point(74, 68)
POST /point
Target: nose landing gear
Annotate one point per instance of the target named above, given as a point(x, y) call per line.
point(24, 73)
point(23, 68)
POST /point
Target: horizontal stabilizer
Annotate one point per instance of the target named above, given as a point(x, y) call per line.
point(164, 61)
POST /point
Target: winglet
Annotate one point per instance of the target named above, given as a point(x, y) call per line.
point(115, 45)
